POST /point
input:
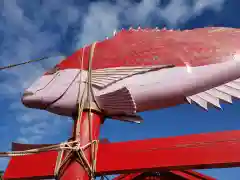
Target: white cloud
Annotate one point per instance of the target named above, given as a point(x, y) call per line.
point(26, 37)
point(29, 140)
point(201, 5)
point(103, 18)
point(179, 11)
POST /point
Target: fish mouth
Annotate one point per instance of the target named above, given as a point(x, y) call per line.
point(30, 100)
point(27, 93)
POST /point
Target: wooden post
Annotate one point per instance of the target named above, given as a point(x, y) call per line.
point(74, 170)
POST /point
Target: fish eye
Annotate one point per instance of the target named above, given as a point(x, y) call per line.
point(53, 70)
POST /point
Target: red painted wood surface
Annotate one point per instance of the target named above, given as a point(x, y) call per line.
point(209, 150)
point(156, 47)
point(200, 175)
point(37, 166)
point(176, 175)
point(74, 170)
point(127, 176)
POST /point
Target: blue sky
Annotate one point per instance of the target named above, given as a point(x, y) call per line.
point(37, 28)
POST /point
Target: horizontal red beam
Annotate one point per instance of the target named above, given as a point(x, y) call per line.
point(31, 167)
point(201, 151)
point(38, 166)
point(190, 175)
point(127, 176)
point(199, 175)
point(180, 175)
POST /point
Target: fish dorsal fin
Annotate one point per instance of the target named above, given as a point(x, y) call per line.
point(214, 96)
point(107, 76)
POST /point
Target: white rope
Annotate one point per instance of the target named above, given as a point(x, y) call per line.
point(72, 145)
point(91, 169)
point(89, 100)
point(80, 98)
point(79, 149)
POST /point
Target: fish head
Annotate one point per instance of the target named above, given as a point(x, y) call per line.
point(32, 97)
point(51, 91)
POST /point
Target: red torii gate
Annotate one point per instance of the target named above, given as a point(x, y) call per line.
point(172, 156)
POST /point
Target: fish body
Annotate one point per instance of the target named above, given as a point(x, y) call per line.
point(145, 69)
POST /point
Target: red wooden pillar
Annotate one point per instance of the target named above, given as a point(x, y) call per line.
point(74, 170)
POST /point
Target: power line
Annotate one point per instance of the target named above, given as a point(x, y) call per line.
point(23, 63)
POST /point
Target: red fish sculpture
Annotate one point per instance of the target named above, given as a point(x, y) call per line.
point(144, 69)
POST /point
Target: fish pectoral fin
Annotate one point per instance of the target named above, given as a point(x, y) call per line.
point(119, 105)
point(119, 102)
point(128, 118)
